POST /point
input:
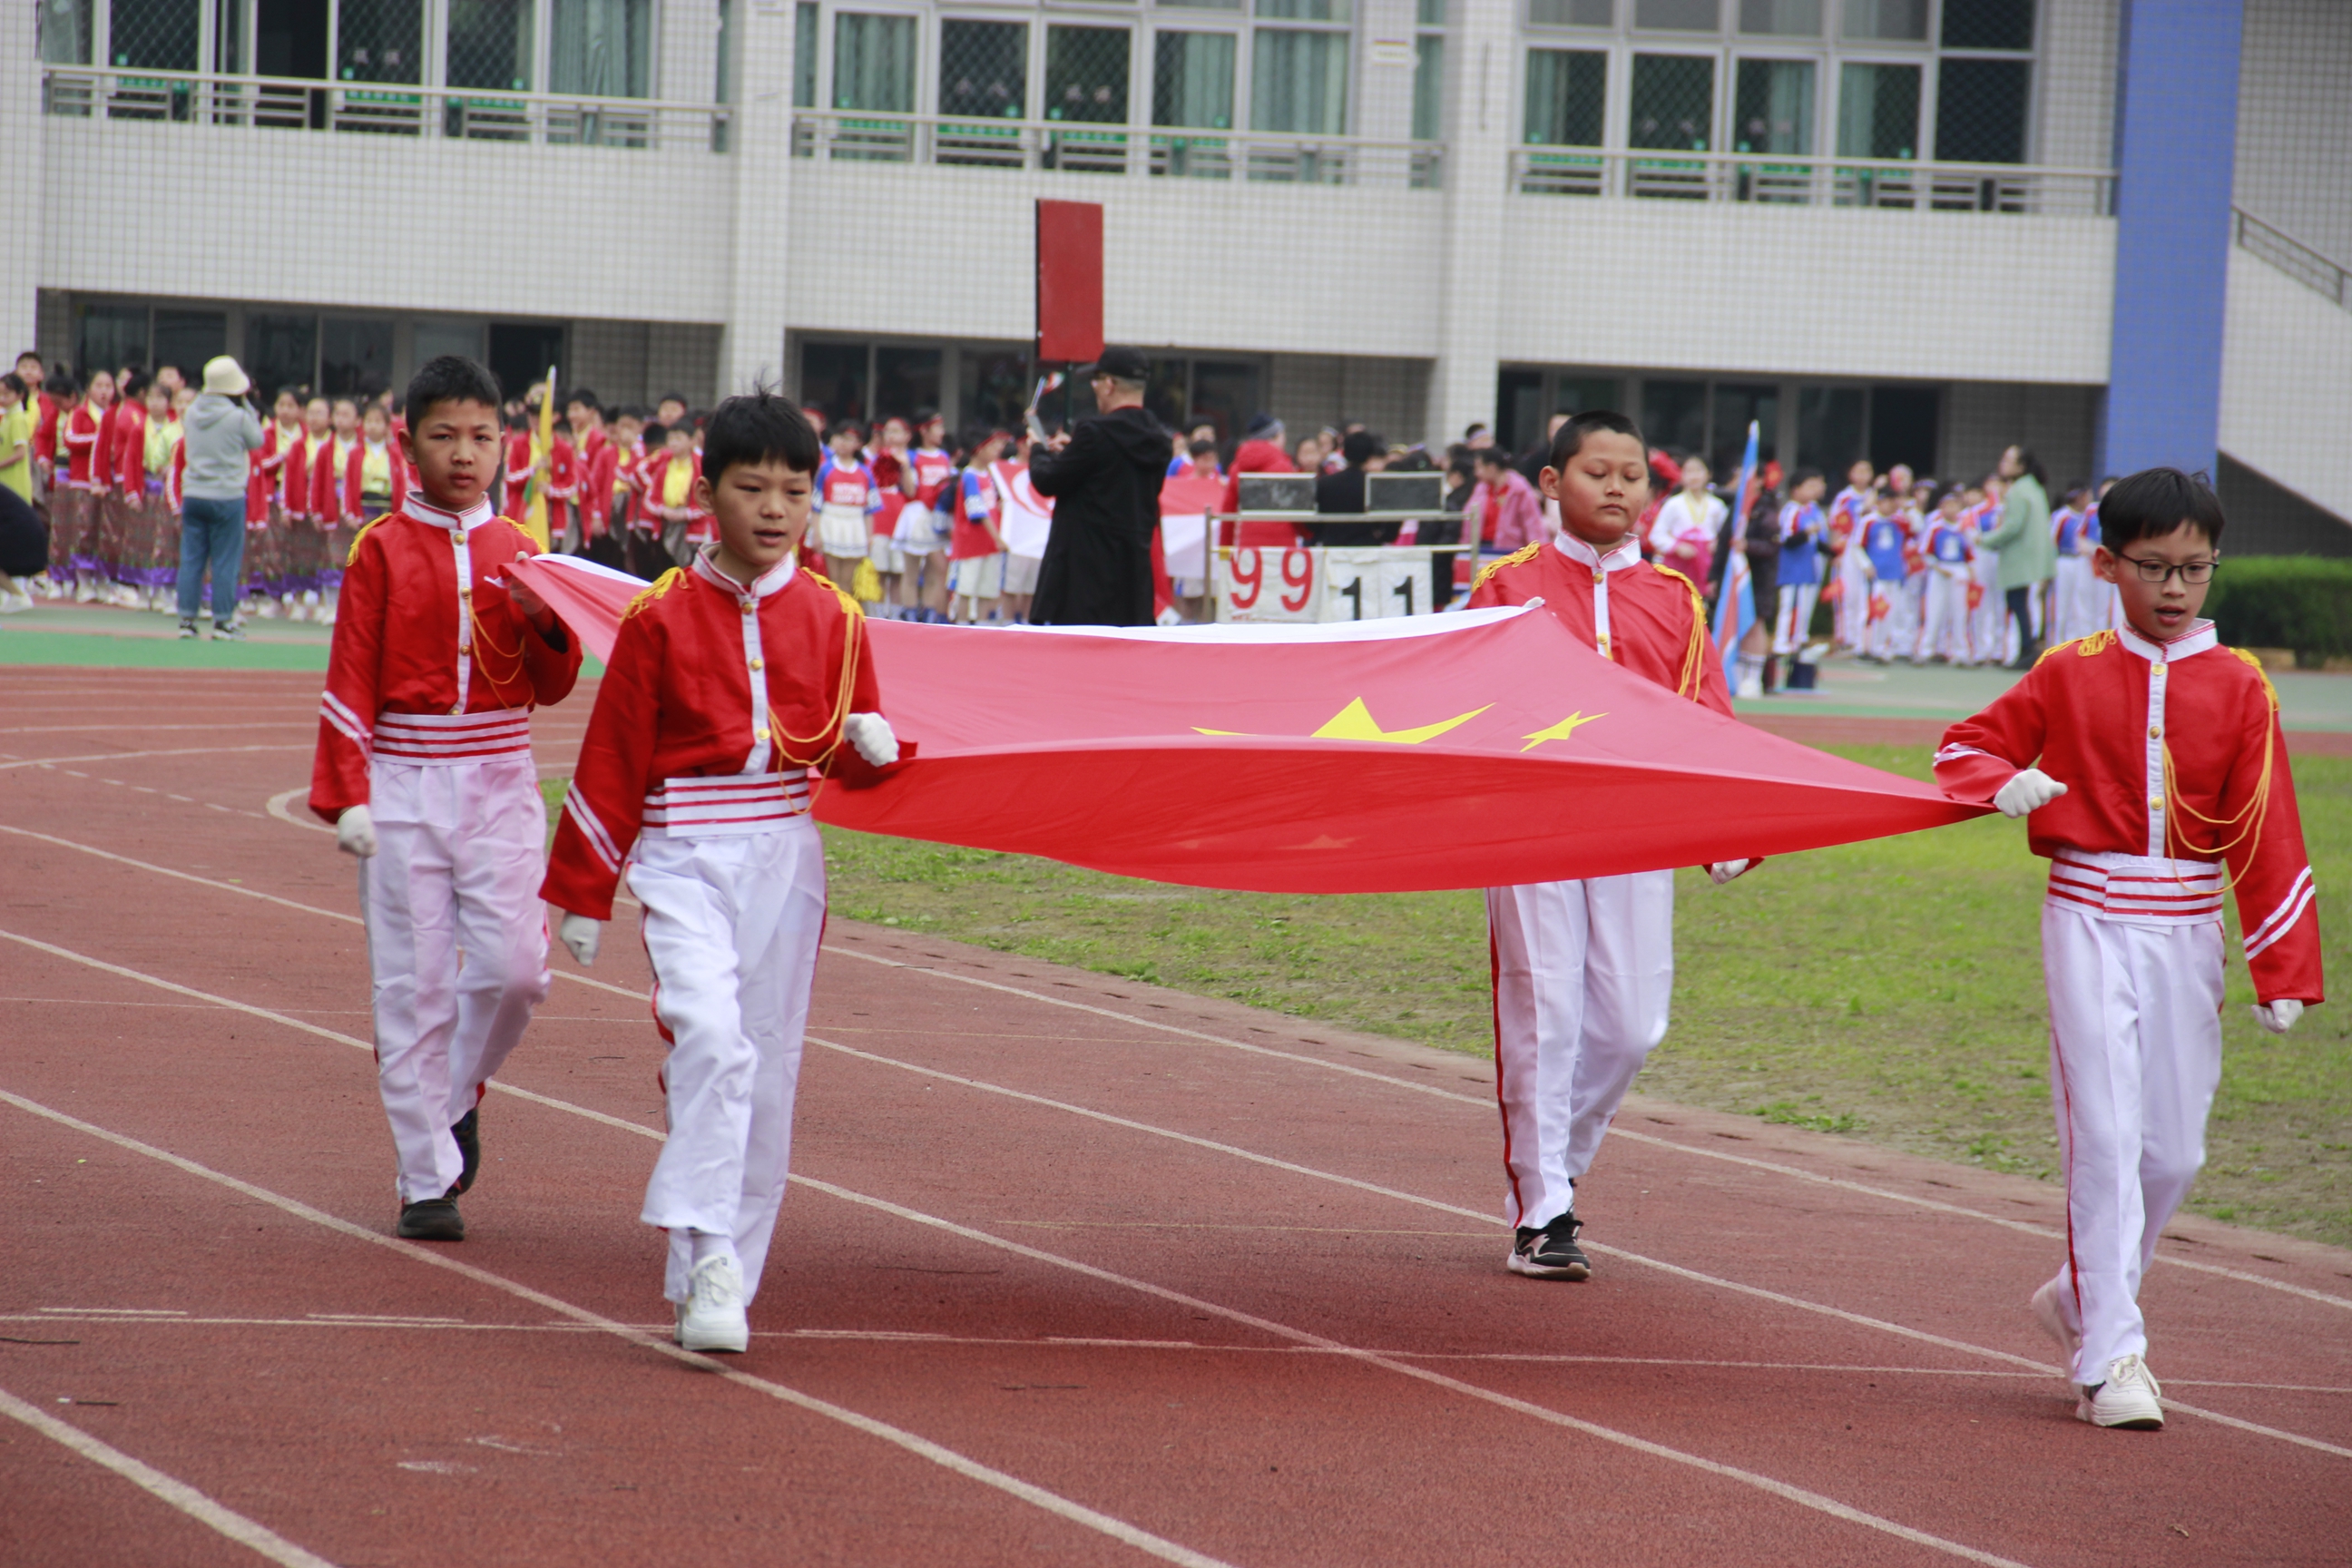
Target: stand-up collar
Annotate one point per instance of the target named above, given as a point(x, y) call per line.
point(2196, 640)
point(769, 582)
point(424, 511)
point(1626, 551)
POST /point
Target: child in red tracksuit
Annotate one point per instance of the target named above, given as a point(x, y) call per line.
point(2151, 760)
point(732, 683)
point(424, 765)
point(1584, 969)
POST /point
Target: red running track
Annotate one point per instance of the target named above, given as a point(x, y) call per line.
point(1074, 1270)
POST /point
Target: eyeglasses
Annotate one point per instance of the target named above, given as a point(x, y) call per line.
point(2195, 571)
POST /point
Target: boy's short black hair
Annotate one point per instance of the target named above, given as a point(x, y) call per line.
point(1568, 439)
point(759, 426)
point(17, 383)
point(63, 384)
point(581, 396)
point(1202, 450)
point(2157, 501)
point(844, 427)
point(677, 397)
point(1801, 475)
point(451, 378)
point(655, 433)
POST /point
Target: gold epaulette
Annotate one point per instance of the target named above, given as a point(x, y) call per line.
point(2261, 674)
point(364, 530)
point(2089, 647)
point(848, 604)
point(1515, 558)
point(662, 585)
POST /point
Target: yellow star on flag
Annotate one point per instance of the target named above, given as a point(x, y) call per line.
point(1354, 722)
point(1560, 731)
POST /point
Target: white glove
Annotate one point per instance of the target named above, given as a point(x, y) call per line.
point(2029, 790)
point(872, 735)
point(579, 936)
point(1727, 870)
point(356, 831)
point(2279, 1016)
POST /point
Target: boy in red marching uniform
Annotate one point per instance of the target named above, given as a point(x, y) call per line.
point(671, 492)
point(515, 482)
point(1583, 970)
point(731, 682)
point(2167, 783)
point(424, 765)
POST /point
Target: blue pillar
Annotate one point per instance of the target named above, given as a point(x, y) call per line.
point(2176, 146)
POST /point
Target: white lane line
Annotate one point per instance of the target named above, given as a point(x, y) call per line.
point(146, 729)
point(922, 1448)
point(1487, 1104)
point(90, 1315)
point(1696, 1277)
point(255, 1537)
point(277, 808)
point(127, 756)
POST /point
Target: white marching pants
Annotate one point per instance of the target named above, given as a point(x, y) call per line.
point(456, 943)
point(2135, 1056)
point(731, 925)
point(2078, 607)
point(1794, 624)
point(1988, 627)
point(1583, 973)
point(1947, 628)
point(1853, 598)
point(1895, 620)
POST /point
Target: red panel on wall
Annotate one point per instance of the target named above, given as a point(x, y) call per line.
point(1069, 281)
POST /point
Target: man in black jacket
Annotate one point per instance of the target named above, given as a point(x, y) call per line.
point(1105, 479)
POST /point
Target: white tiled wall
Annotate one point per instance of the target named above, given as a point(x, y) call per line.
point(2295, 120)
point(1982, 419)
point(2286, 383)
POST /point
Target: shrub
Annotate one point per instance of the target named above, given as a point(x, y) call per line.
point(2299, 602)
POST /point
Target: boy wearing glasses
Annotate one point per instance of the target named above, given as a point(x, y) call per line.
point(2167, 783)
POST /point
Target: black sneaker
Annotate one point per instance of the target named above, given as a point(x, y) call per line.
point(188, 626)
point(431, 1219)
point(468, 1134)
point(1551, 1253)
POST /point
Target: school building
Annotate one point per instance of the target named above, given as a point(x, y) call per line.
point(1913, 230)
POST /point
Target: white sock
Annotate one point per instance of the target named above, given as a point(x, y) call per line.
point(708, 1245)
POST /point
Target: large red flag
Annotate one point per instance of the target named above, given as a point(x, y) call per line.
point(1456, 750)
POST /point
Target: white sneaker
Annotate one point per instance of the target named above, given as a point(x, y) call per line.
point(2051, 1313)
point(2129, 1397)
point(713, 1318)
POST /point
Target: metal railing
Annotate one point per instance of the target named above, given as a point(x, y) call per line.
point(1774, 180)
point(2291, 256)
point(859, 136)
point(382, 108)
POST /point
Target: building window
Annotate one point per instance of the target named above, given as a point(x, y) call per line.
point(1772, 107)
point(159, 35)
point(280, 353)
point(1893, 21)
point(1085, 74)
point(984, 70)
point(1192, 80)
point(1878, 112)
point(873, 62)
point(1673, 415)
point(1673, 103)
point(1988, 24)
point(1781, 18)
point(600, 49)
point(1678, 16)
point(1572, 12)
point(490, 44)
point(1428, 86)
point(1206, 4)
point(1980, 110)
point(1567, 96)
point(804, 46)
point(354, 355)
point(380, 40)
point(1298, 79)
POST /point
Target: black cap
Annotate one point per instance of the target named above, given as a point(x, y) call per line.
point(1124, 363)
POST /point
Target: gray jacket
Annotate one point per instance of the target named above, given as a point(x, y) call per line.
point(220, 432)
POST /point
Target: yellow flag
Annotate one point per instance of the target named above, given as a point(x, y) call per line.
point(534, 511)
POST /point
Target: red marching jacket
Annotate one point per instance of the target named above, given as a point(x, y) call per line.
point(128, 422)
point(517, 473)
point(1647, 618)
point(355, 494)
point(413, 637)
point(709, 680)
point(599, 461)
point(2168, 751)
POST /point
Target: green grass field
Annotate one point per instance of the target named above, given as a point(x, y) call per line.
point(1889, 991)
